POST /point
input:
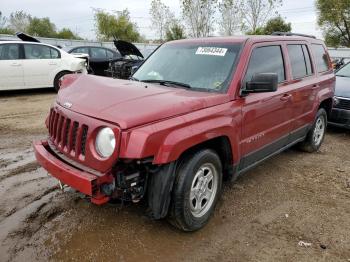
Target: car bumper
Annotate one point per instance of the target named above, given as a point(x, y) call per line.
point(340, 118)
point(87, 183)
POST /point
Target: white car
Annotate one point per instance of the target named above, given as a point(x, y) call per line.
point(25, 65)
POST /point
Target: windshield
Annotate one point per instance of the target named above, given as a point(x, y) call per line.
point(206, 66)
point(344, 71)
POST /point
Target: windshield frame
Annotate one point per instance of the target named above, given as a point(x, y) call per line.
point(226, 84)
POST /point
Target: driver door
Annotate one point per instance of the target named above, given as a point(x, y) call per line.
point(266, 117)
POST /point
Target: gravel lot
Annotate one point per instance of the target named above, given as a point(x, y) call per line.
point(261, 217)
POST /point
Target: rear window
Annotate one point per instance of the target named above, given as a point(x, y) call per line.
point(266, 59)
point(321, 58)
point(300, 61)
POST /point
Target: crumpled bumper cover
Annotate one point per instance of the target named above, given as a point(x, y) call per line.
point(87, 183)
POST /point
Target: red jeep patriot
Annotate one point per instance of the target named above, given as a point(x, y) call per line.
point(197, 112)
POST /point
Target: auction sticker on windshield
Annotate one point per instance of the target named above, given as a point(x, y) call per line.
point(217, 51)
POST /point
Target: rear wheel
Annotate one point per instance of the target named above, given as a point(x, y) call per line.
point(196, 190)
point(56, 82)
point(315, 136)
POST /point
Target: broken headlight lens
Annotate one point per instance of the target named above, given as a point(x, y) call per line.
point(105, 142)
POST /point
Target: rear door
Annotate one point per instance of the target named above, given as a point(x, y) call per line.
point(304, 87)
point(266, 117)
point(40, 65)
point(11, 67)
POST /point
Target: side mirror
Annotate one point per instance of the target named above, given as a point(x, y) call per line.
point(262, 82)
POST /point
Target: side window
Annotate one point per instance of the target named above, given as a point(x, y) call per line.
point(9, 52)
point(321, 58)
point(110, 54)
point(37, 52)
point(55, 54)
point(81, 50)
point(99, 53)
point(307, 60)
point(266, 59)
point(300, 61)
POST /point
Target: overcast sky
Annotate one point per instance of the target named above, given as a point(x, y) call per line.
point(78, 16)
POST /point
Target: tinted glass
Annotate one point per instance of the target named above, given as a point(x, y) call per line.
point(307, 60)
point(110, 54)
point(300, 61)
point(80, 50)
point(40, 52)
point(267, 59)
point(203, 66)
point(99, 53)
point(321, 58)
point(9, 52)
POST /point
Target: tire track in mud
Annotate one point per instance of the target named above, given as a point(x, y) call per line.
point(29, 167)
point(20, 225)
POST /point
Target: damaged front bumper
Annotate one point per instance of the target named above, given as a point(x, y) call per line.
point(83, 181)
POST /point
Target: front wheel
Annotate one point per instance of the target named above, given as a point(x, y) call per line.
point(315, 136)
point(196, 190)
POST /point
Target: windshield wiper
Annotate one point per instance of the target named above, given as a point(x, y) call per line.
point(166, 83)
point(342, 75)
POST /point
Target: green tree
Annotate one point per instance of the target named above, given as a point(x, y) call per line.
point(175, 31)
point(6, 31)
point(115, 26)
point(334, 20)
point(277, 24)
point(41, 27)
point(19, 21)
point(66, 33)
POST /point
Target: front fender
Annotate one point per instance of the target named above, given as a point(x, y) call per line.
point(165, 141)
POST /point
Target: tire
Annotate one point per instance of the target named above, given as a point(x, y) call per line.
point(192, 203)
point(56, 81)
point(316, 134)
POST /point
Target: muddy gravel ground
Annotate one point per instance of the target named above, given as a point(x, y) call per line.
point(263, 216)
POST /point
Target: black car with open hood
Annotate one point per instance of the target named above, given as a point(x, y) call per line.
point(131, 59)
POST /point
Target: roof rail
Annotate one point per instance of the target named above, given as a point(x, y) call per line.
point(292, 34)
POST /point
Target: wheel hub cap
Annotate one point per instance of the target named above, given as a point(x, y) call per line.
point(203, 190)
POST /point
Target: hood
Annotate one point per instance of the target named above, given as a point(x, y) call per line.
point(126, 48)
point(342, 86)
point(26, 38)
point(130, 103)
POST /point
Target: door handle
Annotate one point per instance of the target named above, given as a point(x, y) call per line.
point(315, 86)
point(286, 97)
point(15, 64)
point(52, 63)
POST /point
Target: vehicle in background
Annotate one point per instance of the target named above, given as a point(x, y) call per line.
point(99, 57)
point(113, 63)
point(198, 112)
point(30, 64)
point(25, 65)
point(341, 111)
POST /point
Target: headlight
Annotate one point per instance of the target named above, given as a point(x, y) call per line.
point(105, 142)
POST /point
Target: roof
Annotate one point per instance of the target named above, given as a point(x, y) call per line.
point(241, 39)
